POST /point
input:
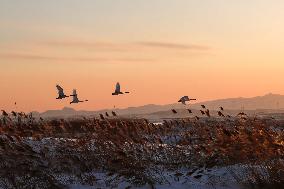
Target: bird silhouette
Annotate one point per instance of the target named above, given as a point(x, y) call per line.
point(189, 111)
point(203, 106)
point(185, 99)
point(202, 112)
point(61, 94)
point(174, 111)
point(75, 98)
point(107, 114)
point(221, 108)
point(117, 90)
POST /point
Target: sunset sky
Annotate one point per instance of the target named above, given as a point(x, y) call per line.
point(159, 50)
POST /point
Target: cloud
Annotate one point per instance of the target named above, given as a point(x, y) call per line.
point(176, 46)
point(110, 46)
point(97, 45)
point(36, 57)
point(126, 52)
point(47, 57)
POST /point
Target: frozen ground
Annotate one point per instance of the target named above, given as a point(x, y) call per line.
point(124, 154)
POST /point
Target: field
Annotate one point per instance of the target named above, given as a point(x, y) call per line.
point(133, 153)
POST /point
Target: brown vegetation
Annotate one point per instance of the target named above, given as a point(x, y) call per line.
point(131, 147)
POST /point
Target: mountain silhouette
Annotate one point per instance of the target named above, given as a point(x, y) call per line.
point(266, 102)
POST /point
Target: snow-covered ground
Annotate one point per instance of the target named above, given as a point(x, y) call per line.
point(131, 154)
point(221, 178)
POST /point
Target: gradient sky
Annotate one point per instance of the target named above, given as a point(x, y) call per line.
point(159, 50)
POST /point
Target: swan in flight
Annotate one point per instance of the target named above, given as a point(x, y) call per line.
point(75, 98)
point(117, 90)
point(61, 94)
point(185, 99)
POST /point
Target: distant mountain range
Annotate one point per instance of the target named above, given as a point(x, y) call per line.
point(266, 102)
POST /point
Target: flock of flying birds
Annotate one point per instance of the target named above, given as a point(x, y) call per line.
point(61, 94)
point(183, 100)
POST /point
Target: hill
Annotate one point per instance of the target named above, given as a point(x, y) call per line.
point(273, 102)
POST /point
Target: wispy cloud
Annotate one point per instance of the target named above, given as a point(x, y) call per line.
point(105, 46)
point(71, 59)
point(48, 57)
point(128, 46)
point(82, 51)
point(177, 46)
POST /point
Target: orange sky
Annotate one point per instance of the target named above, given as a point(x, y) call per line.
point(158, 51)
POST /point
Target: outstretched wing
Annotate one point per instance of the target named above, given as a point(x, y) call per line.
point(75, 96)
point(186, 98)
point(74, 92)
point(60, 90)
point(117, 88)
